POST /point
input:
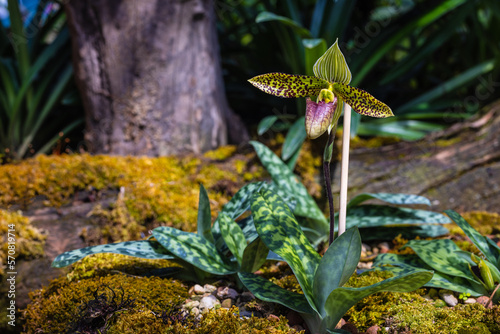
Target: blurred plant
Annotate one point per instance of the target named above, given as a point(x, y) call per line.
point(454, 269)
point(464, 296)
point(225, 248)
point(36, 76)
point(397, 52)
point(324, 300)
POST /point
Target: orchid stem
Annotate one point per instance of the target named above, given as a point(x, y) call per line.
point(344, 172)
point(327, 158)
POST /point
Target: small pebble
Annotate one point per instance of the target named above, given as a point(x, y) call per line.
point(384, 247)
point(246, 296)
point(373, 330)
point(209, 288)
point(191, 304)
point(365, 265)
point(483, 300)
point(470, 301)
point(208, 302)
point(449, 299)
point(198, 289)
point(227, 303)
point(227, 292)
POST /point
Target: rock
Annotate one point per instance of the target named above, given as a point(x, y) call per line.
point(198, 289)
point(485, 301)
point(227, 292)
point(470, 301)
point(449, 298)
point(227, 303)
point(272, 317)
point(195, 312)
point(209, 288)
point(373, 330)
point(208, 302)
point(246, 296)
point(365, 265)
point(439, 303)
point(191, 304)
point(351, 328)
point(341, 323)
point(384, 247)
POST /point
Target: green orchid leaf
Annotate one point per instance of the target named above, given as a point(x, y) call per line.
point(406, 231)
point(399, 199)
point(332, 67)
point(442, 281)
point(233, 236)
point(145, 249)
point(204, 216)
point(369, 215)
point(440, 255)
point(193, 249)
point(362, 102)
point(288, 183)
point(294, 139)
point(342, 299)
point(265, 124)
point(336, 266)
point(270, 292)
point(289, 85)
point(239, 204)
point(491, 251)
point(254, 256)
point(281, 233)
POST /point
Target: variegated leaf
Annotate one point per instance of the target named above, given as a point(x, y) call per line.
point(193, 249)
point(254, 256)
point(204, 216)
point(233, 236)
point(399, 199)
point(145, 249)
point(270, 292)
point(342, 299)
point(489, 249)
point(332, 66)
point(289, 85)
point(362, 102)
point(336, 266)
point(281, 233)
point(440, 255)
point(287, 181)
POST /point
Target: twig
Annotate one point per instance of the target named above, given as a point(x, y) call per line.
point(344, 172)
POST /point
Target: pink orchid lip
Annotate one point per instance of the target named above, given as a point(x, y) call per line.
point(319, 116)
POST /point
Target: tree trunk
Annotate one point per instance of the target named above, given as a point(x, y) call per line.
point(458, 168)
point(149, 75)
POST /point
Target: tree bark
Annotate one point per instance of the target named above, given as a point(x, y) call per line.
point(458, 168)
point(149, 75)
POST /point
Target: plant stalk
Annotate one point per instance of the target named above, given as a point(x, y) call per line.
point(344, 172)
point(327, 158)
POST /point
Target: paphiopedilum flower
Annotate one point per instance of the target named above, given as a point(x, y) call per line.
point(329, 86)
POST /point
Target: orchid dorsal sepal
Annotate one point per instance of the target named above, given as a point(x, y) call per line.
point(362, 102)
point(332, 67)
point(289, 85)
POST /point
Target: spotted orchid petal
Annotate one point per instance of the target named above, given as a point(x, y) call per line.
point(289, 85)
point(362, 102)
point(319, 116)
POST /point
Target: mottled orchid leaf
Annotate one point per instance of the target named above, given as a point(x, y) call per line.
point(342, 299)
point(145, 249)
point(336, 266)
point(399, 199)
point(281, 233)
point(332, 67)
point(288, 183)
point(254, 256)
point(204, 216)
point(233, 236)
point(489, 249)
point(194, 249)
point(440, 255)
point(267, 291)
point(407, 232)
point(265, 124)
point(362, 102)
point(289, 85)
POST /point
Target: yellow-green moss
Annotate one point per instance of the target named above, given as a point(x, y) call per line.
point(374, 309)
point(420, 318)
point(221, 321)
point(29, 241)
point(104, 264)
point(221, 153)
point(484, 222)
point(55, 308)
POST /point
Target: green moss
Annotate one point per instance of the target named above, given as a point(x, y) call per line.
point(29, 241)
point(59, 306)
point(221, 153)
point(426, 318)
point(484, 222)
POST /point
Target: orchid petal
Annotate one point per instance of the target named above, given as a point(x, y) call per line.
point(289, 85)
point(362, 102)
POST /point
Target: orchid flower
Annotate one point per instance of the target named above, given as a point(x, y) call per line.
point(330, 88)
